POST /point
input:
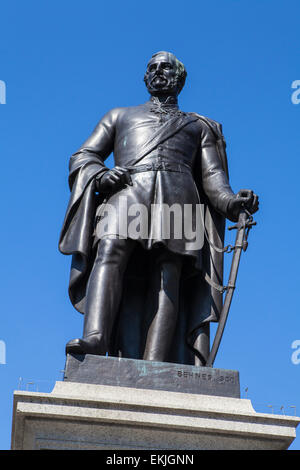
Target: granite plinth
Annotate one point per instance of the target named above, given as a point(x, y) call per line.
point(101, 370)
point(84, 416)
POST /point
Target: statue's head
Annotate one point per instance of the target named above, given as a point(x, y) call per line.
point(165, 74)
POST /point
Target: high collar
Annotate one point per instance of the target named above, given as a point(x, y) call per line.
point(170, 101)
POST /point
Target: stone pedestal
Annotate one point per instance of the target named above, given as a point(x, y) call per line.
point(100, 370)
point(111, 417)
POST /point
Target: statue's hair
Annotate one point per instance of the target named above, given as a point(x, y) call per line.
point(181, 72)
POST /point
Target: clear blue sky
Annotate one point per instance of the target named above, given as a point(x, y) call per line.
point(65, 63)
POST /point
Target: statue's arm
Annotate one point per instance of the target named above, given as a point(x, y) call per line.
point(93, 153)
point(85, 165)
point(95, 150)
point(216, 185)
point(214, 179)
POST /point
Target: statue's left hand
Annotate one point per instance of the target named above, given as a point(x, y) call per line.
point(245, 198)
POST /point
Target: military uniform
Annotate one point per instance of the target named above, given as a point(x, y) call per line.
point(173, 158)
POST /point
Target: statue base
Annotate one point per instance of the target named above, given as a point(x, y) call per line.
point(80, 416)
point(123, 404)
point(101, 370)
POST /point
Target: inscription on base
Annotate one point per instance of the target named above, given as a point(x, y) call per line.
point(221, 379)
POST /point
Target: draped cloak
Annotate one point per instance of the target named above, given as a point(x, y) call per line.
point(200, 303)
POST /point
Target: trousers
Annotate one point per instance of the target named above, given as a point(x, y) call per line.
point(104, 293)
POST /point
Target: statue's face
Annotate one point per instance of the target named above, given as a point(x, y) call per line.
point(161, 76)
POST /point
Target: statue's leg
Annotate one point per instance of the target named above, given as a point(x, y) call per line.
point(163, 323)
point(104, 291)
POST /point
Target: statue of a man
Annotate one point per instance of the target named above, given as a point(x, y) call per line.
point(146, 297)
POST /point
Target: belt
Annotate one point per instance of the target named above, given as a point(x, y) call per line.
point(160, 166)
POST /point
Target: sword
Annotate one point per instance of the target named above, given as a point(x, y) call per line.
point(244, 224)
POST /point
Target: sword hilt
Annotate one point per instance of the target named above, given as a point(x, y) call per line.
point(248, 224)
point(245, 220)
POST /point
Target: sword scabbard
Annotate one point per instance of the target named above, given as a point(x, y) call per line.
point(238, 247)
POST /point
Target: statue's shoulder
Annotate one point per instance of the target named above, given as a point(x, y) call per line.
point(125, 112)
point(215, 126)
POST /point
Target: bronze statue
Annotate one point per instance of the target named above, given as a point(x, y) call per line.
point(148, 297)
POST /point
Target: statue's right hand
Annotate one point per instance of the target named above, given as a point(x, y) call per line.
point(113, 179)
